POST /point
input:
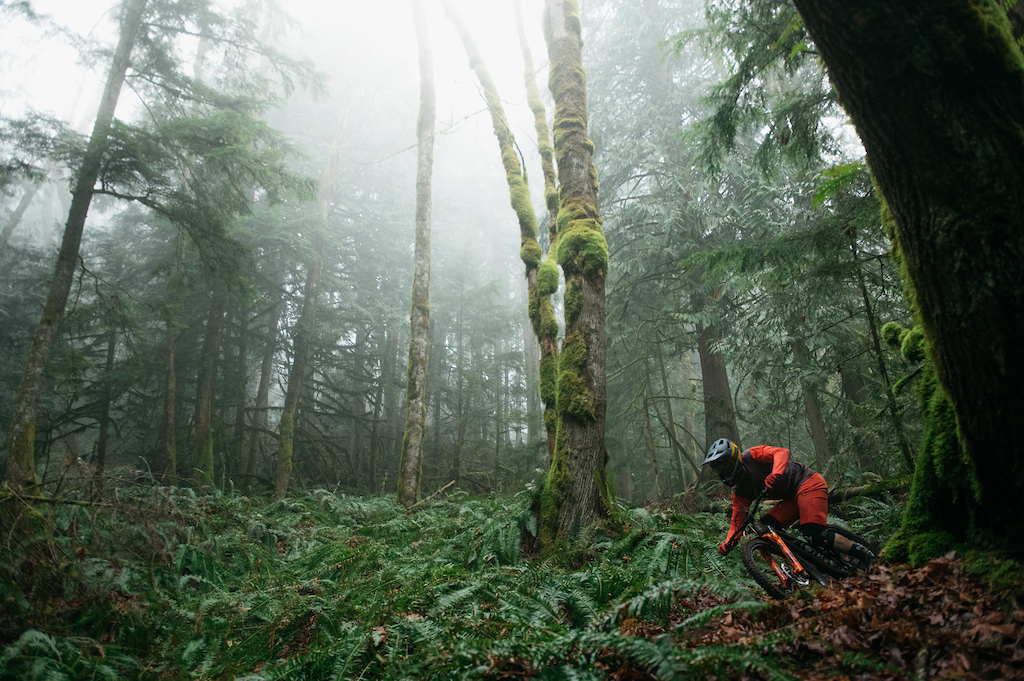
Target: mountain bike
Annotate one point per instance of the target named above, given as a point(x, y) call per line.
point(781, 563)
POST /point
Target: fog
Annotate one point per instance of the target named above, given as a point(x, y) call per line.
point(367, 51)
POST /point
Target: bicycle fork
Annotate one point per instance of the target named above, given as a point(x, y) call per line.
point(798, 574)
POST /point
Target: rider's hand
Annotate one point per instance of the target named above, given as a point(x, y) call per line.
point(726, 546)
point(770, 481)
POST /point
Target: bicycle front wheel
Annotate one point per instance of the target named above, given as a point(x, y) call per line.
point(770, 569)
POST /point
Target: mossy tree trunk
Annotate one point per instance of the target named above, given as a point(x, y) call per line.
point(541, 285)
point(21, 471)
point(936, 92)
point(576, 492)
point(547, 272)
point(411, 464)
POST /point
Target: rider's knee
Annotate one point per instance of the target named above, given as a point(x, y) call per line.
point(819, 535)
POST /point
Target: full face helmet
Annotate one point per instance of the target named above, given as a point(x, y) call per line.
point(724, 457)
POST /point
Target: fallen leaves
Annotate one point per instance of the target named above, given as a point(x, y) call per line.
point(932, 622)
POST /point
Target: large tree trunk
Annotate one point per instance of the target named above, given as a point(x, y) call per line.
point(21, 469)
point(411, 465)
point(576, 491)
point(941, 120)
point(719, 414)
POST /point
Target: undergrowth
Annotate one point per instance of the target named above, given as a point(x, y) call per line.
point(157, 583)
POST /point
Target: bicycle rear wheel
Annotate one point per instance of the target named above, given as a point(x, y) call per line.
point(759, 554)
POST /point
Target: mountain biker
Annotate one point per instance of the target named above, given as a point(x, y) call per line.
point(802, 493)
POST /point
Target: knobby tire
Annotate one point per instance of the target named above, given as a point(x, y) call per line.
point(759, 568)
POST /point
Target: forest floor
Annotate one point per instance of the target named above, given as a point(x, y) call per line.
point(933, 622)
point(162, 583)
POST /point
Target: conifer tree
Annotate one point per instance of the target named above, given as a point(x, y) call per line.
point(20, 452)
point(304, 326)
point(410, 466)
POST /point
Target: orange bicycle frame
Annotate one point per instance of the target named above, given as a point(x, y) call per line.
point(798, 568)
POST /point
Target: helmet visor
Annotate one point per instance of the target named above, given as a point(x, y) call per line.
point(724, 466)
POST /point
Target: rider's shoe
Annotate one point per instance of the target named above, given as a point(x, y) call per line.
point(861, 553)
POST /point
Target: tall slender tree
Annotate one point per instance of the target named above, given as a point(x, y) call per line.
point(540, 285)
point(411, 464)
point(547, 272)
point(575, 493)
point(304, 327)
point(20, 452)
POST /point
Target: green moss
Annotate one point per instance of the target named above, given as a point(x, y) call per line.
point(582, 249)
point(998, 572)
point(912, 345)
point(547, 278)
point(573, 302)
point(531, 253)
point(548, 319)
point(891, 334)
point(944, 490)
point(550, 418)
point(557, 487)
point(574, 398)
point(548, 381)
point(519, 194)
point(551, 199)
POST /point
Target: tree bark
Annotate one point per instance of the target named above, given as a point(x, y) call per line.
point(719, 414)
point(411, 465)
point(260, 416)
point(815, 421)
point(576, 492)
point(21, 471)
point(941, 120)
